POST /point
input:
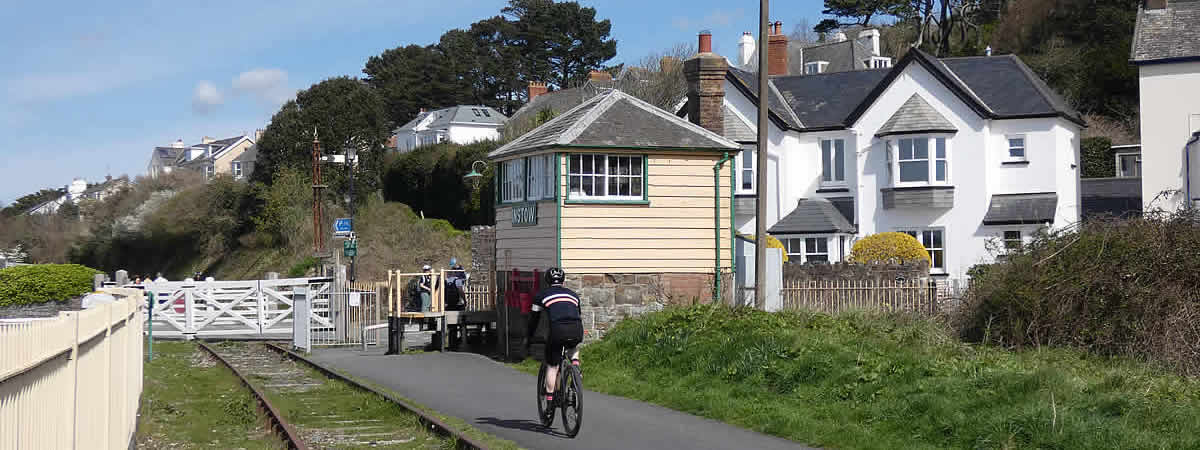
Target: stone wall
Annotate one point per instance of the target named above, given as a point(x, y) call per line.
point(483, 251)
point(610, 298)
point(847, 271)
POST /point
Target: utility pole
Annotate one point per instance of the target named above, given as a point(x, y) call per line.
point(760, 183)
point(318, 238)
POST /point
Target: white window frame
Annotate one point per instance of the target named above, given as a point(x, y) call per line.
point(919, 234)
point(636, 176)
point(796, 248)
point(1009, 147)
point(1006, 240)
point(829, 162)
point(539, 177)
point(1137, 164)
point(932, 160)
point(209, 171)
point(512, 184)
point(815, 67)
point(878, 62)
point(237, 170)
point(742, 170)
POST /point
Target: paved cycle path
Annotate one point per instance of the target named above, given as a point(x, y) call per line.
point(499, 400)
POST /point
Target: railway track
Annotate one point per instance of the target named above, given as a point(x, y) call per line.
point(310, 409)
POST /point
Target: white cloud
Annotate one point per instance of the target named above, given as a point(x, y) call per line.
point(267, 85)
point(206, 97)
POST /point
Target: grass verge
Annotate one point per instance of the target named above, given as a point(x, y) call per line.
point(191, 401)
point(869, 381)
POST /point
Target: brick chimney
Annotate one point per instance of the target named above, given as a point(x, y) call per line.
point(1156, 4)
point(536, 88)
point(599, 76)
point(705, 74)
point(777, 50)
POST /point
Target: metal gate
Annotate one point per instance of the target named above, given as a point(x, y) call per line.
point(341, 318)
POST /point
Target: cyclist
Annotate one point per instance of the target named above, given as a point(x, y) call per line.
point(566, 327)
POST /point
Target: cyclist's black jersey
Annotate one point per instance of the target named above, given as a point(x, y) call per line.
point(560, 303)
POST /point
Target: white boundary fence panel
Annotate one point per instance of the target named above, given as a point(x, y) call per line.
point(261, 308)
point(73, 381)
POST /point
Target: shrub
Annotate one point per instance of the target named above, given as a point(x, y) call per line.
point(23, 285)
point(888, 248)
point(1112, 287)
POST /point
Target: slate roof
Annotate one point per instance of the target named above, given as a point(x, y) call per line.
point(466, 114)
point(915, 116)
point(1119, 197)
point(1163, 35)
point(615, 119)
point(1009, 87)
point(556, 101)
point(813, 216)
point(412, 124)
point(842, 56)
point(777, 106)
point(1012, 209)
point(250, 155)
point(167, 155)
point(827, 100)
point(995, 87)
point(736, 129)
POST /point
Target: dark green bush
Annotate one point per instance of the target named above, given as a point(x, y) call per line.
point(23, 285)
point(1126, 287)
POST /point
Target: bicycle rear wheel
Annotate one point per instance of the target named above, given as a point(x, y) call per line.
point(545, 409)
point(571, 399)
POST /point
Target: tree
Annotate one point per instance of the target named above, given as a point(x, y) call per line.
point(345, 112)
point(858, 12)
point(413, 77)
point(560, 42)
point(28, 201)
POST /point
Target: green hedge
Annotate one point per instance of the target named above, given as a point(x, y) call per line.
point(23, 285)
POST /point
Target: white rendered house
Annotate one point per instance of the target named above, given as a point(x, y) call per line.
point(966, 154)
point(462, 124)
point(1166, 50)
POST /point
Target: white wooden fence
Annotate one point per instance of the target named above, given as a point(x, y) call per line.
point(834, 296)
point(73, 381)
point(259, 308)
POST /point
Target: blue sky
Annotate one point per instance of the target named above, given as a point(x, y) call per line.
point(89, 88)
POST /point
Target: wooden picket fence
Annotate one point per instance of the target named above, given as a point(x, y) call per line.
point(835, 296)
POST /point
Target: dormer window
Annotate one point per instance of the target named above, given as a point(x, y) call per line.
point(476, 111)
point(815, 67)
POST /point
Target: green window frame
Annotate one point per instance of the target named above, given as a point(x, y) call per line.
point(619, 178)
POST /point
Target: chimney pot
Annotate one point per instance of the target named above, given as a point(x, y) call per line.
point(599, 76)
point(705, 44)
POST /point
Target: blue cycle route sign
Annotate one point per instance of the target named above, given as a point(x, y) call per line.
point(343, 226)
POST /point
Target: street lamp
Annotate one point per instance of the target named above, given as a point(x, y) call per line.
point(474, 175)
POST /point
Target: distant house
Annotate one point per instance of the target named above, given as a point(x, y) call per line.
point(1166, 50)
point(463, 124)
point(838, 54)
point(80, 190)
point(210, 157)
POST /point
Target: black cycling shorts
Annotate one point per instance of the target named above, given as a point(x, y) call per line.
point(562, 335)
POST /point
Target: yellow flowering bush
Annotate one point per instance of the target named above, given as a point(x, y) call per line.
point(890, 247)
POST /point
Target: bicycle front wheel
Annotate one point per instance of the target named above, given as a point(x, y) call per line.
point(545, 408)
point(572, 400)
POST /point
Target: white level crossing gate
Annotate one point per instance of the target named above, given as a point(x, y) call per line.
point(257, 309)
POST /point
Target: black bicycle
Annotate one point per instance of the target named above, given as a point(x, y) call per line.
point(568, 396)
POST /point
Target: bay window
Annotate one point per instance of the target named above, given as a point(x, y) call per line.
point(833, 162)
point(807, 250)
point(933, 239)
point(920, 161)
point(606, 177)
